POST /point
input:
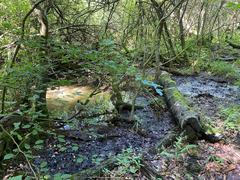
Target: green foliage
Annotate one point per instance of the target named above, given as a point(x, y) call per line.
point(233, 5)
point(213, 158)
point(231, 117)
point(224, 69)
point(181, 147)
point(218, 68)
point(19, 177)
point(128, 163)
point(108, 60)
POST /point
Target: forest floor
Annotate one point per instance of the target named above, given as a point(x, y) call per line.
point(93, 143)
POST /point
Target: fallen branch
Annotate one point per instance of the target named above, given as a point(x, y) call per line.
point(165, 142)
point(149, 171)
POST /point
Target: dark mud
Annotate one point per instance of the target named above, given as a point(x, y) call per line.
point(150, 129)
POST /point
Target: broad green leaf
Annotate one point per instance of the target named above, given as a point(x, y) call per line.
point(19, 177)
point(39, 142)
point(8, 156)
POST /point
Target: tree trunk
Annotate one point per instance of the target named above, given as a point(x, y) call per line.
point(43, 31)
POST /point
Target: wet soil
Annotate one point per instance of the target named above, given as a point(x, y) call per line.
point(92, 151)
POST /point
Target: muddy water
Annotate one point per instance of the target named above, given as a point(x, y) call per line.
point(64, 98)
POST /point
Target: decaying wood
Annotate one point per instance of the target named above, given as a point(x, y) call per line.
point(8, 121)
point(186, 117)
point(2, 145)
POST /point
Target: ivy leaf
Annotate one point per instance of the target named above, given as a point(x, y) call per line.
point(39, 142)
point(8, 156)
point(61, 140)
point(66, 176)
point(43, 164)
point(16, 177)
point(26, 126)
point(17, 125)
point(75, 148)
point(27, 146)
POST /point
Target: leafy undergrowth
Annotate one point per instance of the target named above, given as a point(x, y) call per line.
point(231, 116)
point(207, 161)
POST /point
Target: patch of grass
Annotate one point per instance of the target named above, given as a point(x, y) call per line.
point(214, 158)
point(231, 117)
point(237, 63)
point(224, 69)
point(217, 68)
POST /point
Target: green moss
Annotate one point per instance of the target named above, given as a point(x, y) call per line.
point(179, 97)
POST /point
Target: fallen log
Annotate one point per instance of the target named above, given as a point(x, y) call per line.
point(186, 117)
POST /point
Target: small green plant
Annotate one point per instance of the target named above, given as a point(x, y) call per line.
point(231, 117)
point(213, 158)
point(96, 160)
point(224, 69)
point(80, 158)
point(128, 162)
point(137, 123)
point(180, 148)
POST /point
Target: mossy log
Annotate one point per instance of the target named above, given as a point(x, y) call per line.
point(186, 117)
